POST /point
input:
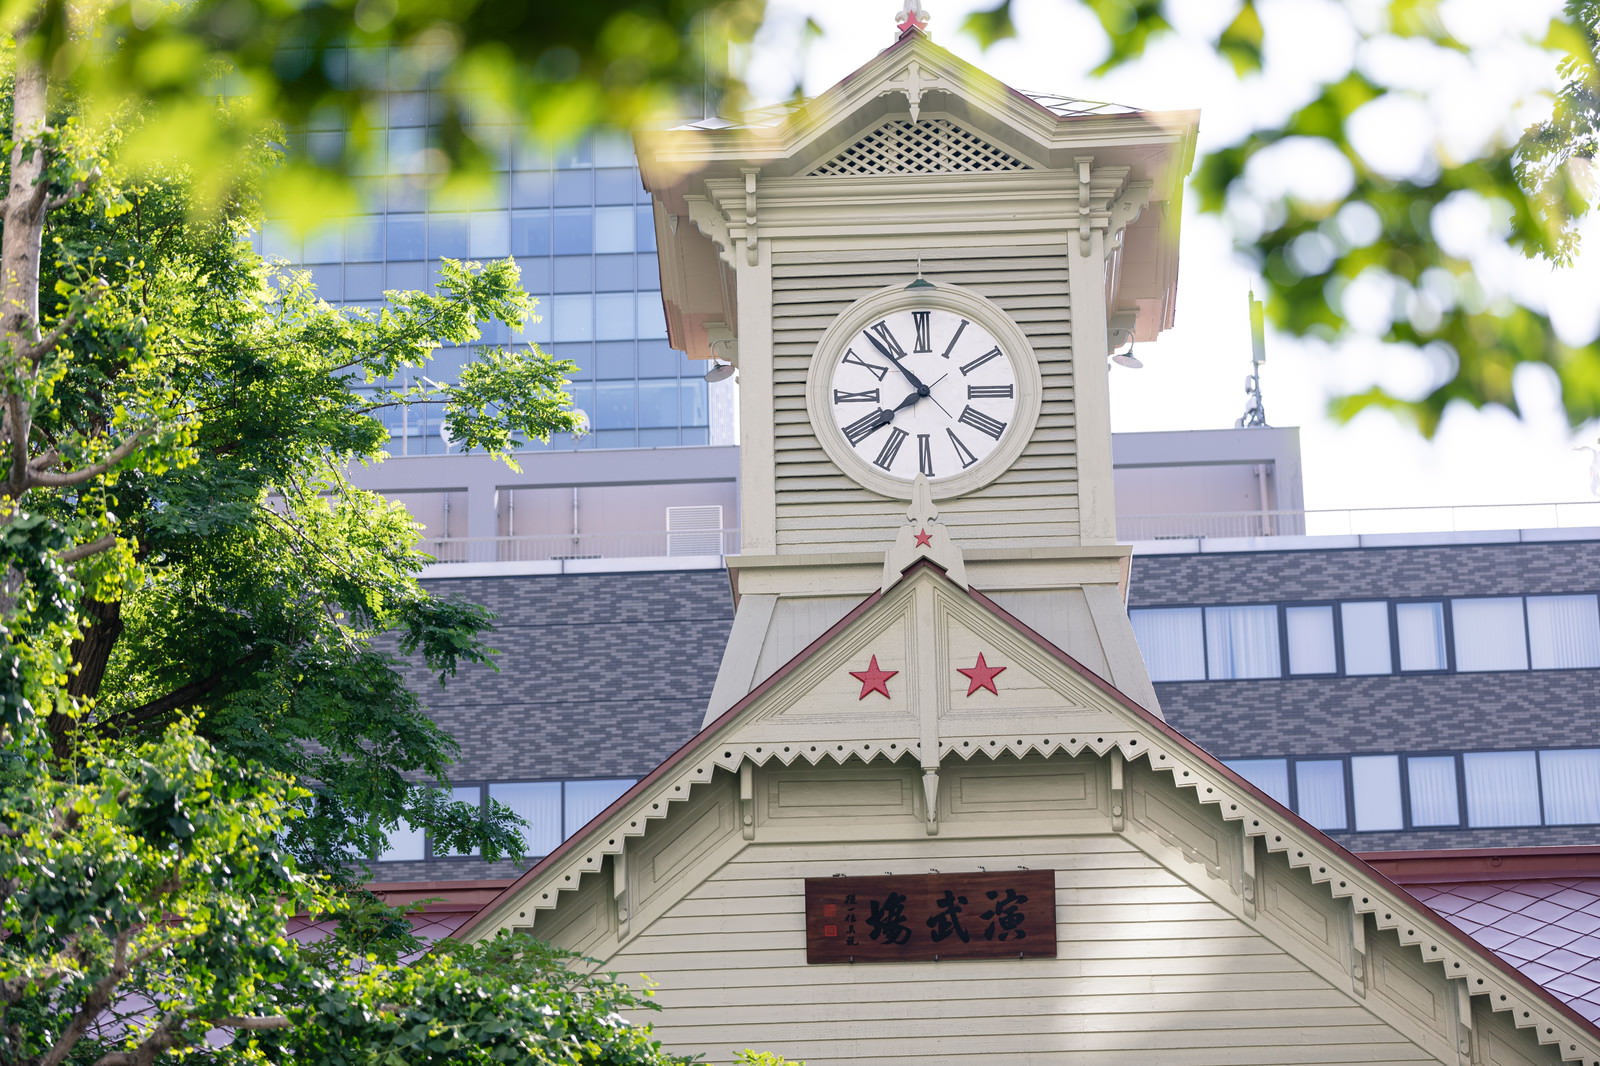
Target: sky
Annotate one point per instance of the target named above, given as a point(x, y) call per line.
point(1194, 376)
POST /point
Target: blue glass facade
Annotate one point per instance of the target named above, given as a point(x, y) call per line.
point(578, 222)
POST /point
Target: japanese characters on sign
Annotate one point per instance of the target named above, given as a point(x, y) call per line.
point(902, 918)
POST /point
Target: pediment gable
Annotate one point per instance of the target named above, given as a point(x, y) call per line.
point(903, 768)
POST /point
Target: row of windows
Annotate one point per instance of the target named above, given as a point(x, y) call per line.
point(554, 810)
point(1369, 637)
point(610, 405)
point(1479, 789)
point(467, 235)
point(605, 361)
point(363, 284)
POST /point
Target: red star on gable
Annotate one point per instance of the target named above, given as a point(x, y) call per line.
point(981, 676)
point(924, 539)
point(873, 680)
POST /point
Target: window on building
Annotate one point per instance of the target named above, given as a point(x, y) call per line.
point(472, 794)
point(1173, 643)
point(1365, 628)
point(1269, 775)
point(1434, 798)
point(613, 229)
point(1375, 792)
point(1489, 633)
point(585, 799)
point(1420, 627)
point(1564, 632)
point(406, 844)
point(1242, 642)
point(1502, 788)
point(1319, 792)
point(1309, 632)
point(1571, 782)
point(537, 803)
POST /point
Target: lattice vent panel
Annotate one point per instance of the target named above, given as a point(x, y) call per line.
point(937, 146)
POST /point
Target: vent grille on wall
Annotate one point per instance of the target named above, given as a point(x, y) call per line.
point(937, 146)
point(694, 530)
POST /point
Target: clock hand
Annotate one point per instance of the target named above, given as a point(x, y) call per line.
point(934, 398)
point(887, 353)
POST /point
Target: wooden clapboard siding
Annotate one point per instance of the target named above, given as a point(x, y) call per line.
point(1147, 965)
point(820, 509)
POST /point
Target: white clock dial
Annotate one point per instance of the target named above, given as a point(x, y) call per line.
point(923, 390)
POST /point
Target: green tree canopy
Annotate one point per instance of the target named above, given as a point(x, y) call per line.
point(145, 902)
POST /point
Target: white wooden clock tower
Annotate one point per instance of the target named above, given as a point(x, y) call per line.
point(934, 815)
point(920, 271)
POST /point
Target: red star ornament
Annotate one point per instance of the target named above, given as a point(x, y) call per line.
point(873, 679)
point(981, 676)
point(924, 539)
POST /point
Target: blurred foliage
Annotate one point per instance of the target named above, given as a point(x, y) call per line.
point(240, 576)
point(145, 902)
point(499, 75)
point(1379, 239)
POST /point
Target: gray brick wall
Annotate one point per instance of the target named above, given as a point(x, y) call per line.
point(1354, 715)
point(599, 675)
point(1275, 577)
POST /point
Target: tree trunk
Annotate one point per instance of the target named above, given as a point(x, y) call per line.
point(92, 651)
point(24, 215)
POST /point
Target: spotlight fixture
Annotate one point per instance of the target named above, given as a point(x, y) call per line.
point(1127, 359)
point(719, 371)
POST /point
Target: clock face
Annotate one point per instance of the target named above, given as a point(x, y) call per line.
point(923, 390)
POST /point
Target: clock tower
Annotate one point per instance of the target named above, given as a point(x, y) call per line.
point(919, 275)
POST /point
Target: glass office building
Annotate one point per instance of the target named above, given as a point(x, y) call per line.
point(578, 222)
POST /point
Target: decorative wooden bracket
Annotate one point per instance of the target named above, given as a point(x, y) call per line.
point(930, 792)
point(913, 81)
point(1467, 1053)
point(1358, 949)
point(1085, 182)
point(747, 798)
point(752, 254)
point(1119, 794)
point(619, 891)
point(705, 215)
point(1247, 877)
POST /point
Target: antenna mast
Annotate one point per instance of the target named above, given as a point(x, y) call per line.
point(1255, 412)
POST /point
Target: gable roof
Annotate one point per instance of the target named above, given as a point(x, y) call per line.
point(1126, 728)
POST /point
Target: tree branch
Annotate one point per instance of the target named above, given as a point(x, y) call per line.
point(96, 1001)
point(271, 1021)
point(46, 479)
point(83, 551)
point(77, 190)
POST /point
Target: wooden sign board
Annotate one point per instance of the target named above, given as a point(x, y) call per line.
point(919, 917)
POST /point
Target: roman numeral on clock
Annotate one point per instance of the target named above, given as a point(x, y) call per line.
point(885, 341)
point(992, 353)
point(871, 396)
point(924, 324)
point(953, 338)
point(925, 454)
point(963, 452)
point(891, 447)
point(982, 422)
point(864, 427)
point(986, 392)
point(855, 360)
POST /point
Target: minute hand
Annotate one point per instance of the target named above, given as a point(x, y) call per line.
point(888, 353)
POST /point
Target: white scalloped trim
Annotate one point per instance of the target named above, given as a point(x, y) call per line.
point(1409, 924)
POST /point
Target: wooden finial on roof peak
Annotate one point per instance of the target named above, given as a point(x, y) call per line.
point(912, 17)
